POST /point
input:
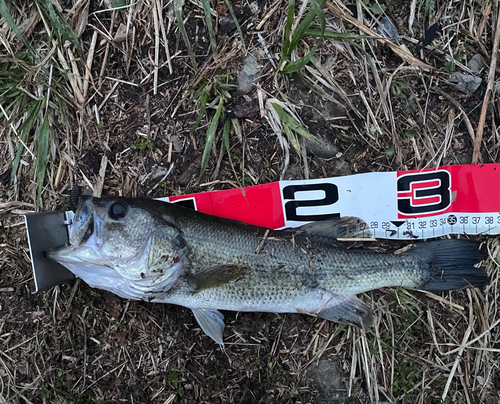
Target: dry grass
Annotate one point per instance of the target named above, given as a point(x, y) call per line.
point(382, 105)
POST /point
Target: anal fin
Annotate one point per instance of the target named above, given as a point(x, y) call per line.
point(350, 310)
point(211, 322)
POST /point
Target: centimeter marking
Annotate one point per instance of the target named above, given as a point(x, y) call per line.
point(436, 226)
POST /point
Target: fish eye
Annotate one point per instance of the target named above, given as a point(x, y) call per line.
point(118, 210)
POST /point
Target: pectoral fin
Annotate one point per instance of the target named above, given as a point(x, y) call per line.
point(216, 276)
point(344, 227)
point(211, 322)
point(349, 311)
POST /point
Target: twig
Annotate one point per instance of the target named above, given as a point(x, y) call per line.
point(169, 155)
point(157, 46)
point(122, 81)
point(468, 344)
point(71, 77)
point(15, 132)
point(163, 179)
point(484, 19)
point(457, 361)
point(105, 375)
point(404, 53)
point(314, 339)
point(84, 352)
point(269, 14)
point(268, 54)
point(261, 244)
point(164, 36)
point(72, 294)
point(442, 300)
point(74, 68)
point(88, 66)
point(457, 105)
point(129, 57)
point(106, 53)
point(100, 180)
point(303, 152)
point(476, 154)
point(260, 96)
point(59, 173)
point(106, 98)
point(373, 118)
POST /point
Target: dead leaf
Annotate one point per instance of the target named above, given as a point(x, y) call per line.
point(121, 34)
point(80, 18)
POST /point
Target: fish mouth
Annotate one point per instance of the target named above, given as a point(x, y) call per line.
point(60, 254)
point(82, 234)
point(83, 222)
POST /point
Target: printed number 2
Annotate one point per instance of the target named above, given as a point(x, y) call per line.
point(331, 196)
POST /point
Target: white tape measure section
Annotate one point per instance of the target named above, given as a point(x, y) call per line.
point(373, 197)
point(450, 223)
point(370, 196)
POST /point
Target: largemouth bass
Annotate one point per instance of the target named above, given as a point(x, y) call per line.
point(154, 251)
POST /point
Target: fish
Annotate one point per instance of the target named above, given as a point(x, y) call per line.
point(149, 250)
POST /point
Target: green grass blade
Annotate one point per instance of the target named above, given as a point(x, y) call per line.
point(17, 158)
point(4, 10)
point(292, 137)
point(305, 24)
point(226, 86)
point(211, 137)
point(178, 16)
point(289, 121)
point(42, 154)
point(344, 36)
point(208, 19)
point(59, 22)
point(225, 141)
point(318, 8)
point(300, 63)
point(300, 130)
point(240, 33)
point(237, 129)
point(33, 111)
point(288, 27)
point(199, 91)
point(10, 98)
point(61, 107)
point(429, 5)
point(24, 130)
point(203, 106)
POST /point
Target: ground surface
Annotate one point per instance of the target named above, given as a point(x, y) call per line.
point(117, 98)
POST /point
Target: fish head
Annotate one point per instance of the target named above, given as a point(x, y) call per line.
point(131, 247)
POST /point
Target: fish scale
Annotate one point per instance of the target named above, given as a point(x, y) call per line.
point(286, 275)
point(149, 250)
point(279, 260)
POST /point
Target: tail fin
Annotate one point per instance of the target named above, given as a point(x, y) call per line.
point(453, 264)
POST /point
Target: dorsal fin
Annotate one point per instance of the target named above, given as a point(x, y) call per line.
point(344, 227)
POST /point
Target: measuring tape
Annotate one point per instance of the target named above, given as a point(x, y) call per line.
point(459, 199)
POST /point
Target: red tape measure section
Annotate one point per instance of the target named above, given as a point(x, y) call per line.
point(420, 194)
point(260, 205)
point(460, 188)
